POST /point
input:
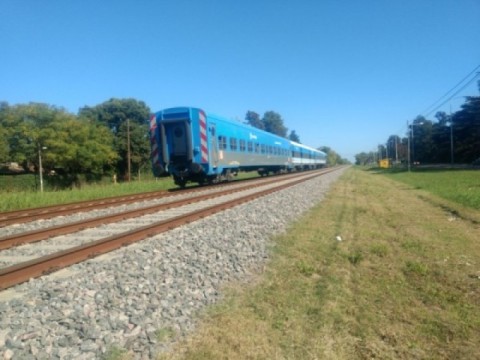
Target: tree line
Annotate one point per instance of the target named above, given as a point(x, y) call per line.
point(75, 148)
point(449, 139)
point(103, 140)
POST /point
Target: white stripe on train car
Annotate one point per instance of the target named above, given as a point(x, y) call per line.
point(153, 138)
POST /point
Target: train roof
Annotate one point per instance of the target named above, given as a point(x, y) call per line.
point(189, 109)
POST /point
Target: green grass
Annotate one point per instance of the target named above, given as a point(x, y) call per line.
point(19, 192)
point(460, 186)
point(401, 284)
point(29, 199)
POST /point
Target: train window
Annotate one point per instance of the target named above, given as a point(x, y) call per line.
point(178, 132)
point(270, 150)
point(250, 146)
point(262, 148)
point(222, 142)
point(242, 145)
point(233, 144)
point(257, 147)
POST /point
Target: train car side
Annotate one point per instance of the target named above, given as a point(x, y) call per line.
point(245, 148)
point(306, 158)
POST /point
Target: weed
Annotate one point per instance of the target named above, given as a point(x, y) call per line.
point(305, 268)
point(414, 267)
point(381, 250)
point(116, 353)
point(413, 246)
point(164, 334)
point(355, 257)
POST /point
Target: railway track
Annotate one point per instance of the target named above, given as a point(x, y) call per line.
point(75, 242)
point(47, 212)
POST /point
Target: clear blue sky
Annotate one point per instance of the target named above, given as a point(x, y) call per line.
point(342, 73)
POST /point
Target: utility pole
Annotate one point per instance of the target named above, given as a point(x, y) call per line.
point(451, 137)
point(128, 151)
point(40, 169)
point(408, 146)
point(451, 143)
point(396, 150)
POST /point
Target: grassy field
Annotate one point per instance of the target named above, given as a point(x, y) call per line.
point(28, 199)
point(462, 186)
point(380, 269)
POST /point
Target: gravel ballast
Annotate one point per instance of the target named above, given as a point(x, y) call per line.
point(131, 298)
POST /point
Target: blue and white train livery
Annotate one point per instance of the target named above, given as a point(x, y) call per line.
point(195, 146)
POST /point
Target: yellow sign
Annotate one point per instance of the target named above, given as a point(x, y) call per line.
point(384, 163)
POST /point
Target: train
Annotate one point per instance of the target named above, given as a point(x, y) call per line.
point(199, 147)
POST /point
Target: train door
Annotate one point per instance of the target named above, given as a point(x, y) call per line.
point(179, 148)
point(179, 144)
point(213, 145)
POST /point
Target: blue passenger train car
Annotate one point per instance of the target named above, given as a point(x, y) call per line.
point(306, 158)
point(192, 145)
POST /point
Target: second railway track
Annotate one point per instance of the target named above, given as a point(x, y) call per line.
point(132, 226)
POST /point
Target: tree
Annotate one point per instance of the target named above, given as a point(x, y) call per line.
point(293, 136)
point(332, 157)
point(26, 130)
point(253, 119)
point(80, 147)
point(364, 158)
point(394, 144)
point(114, 113)
point(4, 133)
point(139, 146)
point(69, 146)
point(273, 123)
point(466, 130)
point(421, 140)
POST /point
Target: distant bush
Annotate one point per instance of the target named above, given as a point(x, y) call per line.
point(20, 182)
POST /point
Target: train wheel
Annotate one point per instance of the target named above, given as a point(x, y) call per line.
point(180, 182)
point(228, 176)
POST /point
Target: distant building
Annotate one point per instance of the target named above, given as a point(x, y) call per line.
point(11, 168)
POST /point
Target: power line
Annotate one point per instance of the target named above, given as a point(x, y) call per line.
point(428, 110)
point(453, 95)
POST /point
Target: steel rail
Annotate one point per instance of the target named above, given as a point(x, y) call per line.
point(46, 212)
point(32, 236)
point(22, 272)
point(50, 211)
